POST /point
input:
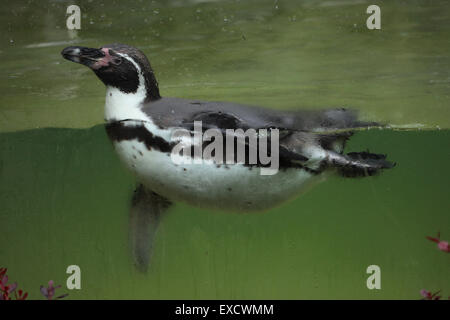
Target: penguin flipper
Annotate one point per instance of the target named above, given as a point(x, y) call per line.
point(145, 215)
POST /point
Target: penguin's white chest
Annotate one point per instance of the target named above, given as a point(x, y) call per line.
point(231, 187)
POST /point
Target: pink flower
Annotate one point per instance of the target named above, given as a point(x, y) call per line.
point(427, 295)
point(49, 292)
point(5, 288)
point(442, 245)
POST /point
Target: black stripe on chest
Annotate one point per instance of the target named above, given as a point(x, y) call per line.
point(118, 131)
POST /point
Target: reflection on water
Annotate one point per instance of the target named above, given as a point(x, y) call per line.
point(65, 199)
point(285, 54)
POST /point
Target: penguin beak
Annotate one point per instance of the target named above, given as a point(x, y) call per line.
point(87, 56)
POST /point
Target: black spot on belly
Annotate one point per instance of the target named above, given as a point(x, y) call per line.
point(134, 156)
point(140, 152)
point(229, 189)
point(184, 169)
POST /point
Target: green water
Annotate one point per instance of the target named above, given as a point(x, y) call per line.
point(64, 196)
point(65, 199)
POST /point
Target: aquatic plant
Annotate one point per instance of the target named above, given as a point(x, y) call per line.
point(49, 292)
point(6, 289)
point(427, 295)
point(442, 245)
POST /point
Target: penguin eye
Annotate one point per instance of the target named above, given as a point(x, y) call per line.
point(116, 61)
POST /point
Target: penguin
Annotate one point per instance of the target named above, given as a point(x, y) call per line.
point(144, 127)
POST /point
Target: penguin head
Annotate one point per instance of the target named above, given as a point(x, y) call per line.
point(117, 65)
